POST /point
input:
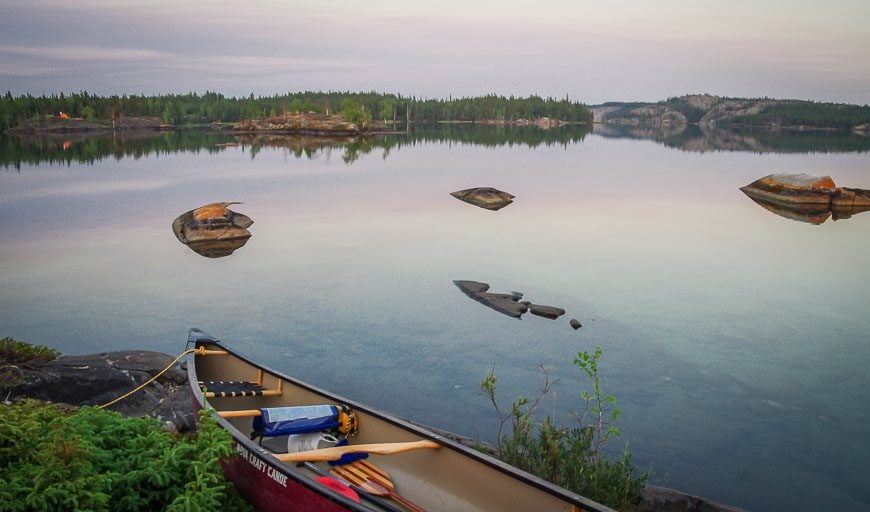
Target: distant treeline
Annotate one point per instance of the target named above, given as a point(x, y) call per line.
point(193, 108)
point(808, 113)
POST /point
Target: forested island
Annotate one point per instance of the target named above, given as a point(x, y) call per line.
point(360, 108)
point(722, 112)
point(369, 111)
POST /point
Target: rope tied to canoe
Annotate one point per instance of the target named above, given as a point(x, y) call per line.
point(198, 351)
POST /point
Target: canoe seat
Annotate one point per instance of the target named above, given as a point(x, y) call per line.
point(233, 388)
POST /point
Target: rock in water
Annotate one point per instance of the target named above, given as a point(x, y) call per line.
point(484, 197)
point(546, 311)
point(792, 188)
point(805, 198)
point(575, 324)
point(212, 230)
point(504, 303)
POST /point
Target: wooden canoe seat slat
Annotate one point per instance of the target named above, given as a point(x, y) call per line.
point(235, 388)
point(247, 413)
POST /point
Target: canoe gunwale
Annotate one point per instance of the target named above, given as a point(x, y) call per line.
point(578, 501)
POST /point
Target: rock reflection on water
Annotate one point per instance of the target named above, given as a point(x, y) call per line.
point(212, 230)
point(484, 197)
point(702, 139)
point(809, 213)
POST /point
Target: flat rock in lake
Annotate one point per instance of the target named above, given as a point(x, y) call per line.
point(546, 311)
point(484, 197)
point(213, 230)
point(504, 303)
point(575, 324)
point(805, 198)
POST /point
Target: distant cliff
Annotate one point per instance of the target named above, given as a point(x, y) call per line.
point(717, 111)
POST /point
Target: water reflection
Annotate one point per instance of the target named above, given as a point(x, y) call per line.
point(212, 230)
point(704, 139)
point(18, 150)
point(69, 148)
point(809, 213)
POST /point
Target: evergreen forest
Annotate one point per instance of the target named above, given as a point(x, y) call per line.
point(194, 108)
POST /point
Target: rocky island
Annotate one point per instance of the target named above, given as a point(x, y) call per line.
point(718, 111)
point(299, 123)
point(66, 124)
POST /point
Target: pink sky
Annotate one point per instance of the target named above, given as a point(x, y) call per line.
point(592, 51)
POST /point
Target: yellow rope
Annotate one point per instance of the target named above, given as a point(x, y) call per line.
point(201, 350)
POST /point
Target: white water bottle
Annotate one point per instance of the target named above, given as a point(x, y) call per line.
point(312, 441)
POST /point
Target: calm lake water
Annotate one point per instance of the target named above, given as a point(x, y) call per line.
point(736, 340)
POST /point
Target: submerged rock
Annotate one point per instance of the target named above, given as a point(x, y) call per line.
point(504, 303)
point(546, 311)
point(484, 197)
point(805, 198)
point(212, 230)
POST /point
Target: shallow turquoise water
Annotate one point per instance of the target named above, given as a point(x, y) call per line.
point(736, 340)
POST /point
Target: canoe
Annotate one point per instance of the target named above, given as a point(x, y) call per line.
point(276, 472)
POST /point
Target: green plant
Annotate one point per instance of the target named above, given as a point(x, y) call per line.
point(91, 459)
point(570, 457)
point(597, 403)
point(14, 353)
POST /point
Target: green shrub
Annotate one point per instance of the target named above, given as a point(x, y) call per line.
point(91, 459)
point(569, 457)
point(13, 353)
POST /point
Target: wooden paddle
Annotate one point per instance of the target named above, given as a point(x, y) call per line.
point(372, 480)
point(336, 452)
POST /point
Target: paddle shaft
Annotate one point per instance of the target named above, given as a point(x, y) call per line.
point(336, 452)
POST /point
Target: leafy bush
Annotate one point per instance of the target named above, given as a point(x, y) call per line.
point(91, 459)
point(570, 457)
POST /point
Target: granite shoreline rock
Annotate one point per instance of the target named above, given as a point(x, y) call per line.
point(96, 379)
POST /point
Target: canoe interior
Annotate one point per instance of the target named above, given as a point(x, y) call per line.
point(453, 477)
